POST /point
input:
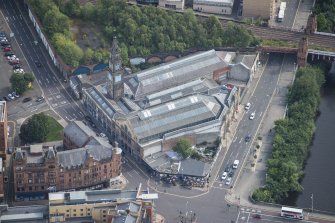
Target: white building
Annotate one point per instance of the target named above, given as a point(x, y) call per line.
point(172, 4)
point(214, 6)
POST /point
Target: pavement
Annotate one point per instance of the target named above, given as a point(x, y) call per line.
point(254, 177)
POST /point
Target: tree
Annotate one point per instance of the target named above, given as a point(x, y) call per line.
point(68, 50)
point(183, 147)
point(20, 82)
point(55, 22)
point(36, 129)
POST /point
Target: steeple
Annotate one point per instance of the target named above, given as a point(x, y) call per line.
point(115, 88)
point(115, 63)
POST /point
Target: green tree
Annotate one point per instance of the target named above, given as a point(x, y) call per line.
point(88, 55)
point(55, 22)
point(36, 129)
point(183, 147)
point(72, 8)
point(87, 11)
point(68, 50)
point(20, 82)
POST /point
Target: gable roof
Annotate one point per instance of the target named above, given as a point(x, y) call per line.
point(192, 167)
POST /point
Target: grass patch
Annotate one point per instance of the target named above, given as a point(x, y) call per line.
point(278, 43)
point(56, 130)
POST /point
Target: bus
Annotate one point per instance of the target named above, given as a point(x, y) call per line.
point(292, 213)
point(281, 12)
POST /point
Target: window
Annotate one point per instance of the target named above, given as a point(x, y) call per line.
point(42, 187)
point(74, 210)
point(81, 209)
point(30, 188)
point(30, 181)
point(67, 215)
point(67, 210)
point(74, 215)
point(104, 216)
point(81, 214)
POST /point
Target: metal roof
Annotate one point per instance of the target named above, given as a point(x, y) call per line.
point(175, 73)
point(101, 101)
point(174, 115)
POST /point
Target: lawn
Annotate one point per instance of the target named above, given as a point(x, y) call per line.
point(56, 130)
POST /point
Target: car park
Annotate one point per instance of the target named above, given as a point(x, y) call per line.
point(228, 181)
point(252, 115)
point(235, 164)
point(247, 106)
point(26, 99)
point(224, 175)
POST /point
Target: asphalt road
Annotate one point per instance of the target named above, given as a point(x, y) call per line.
point(49, 80)
point(259, 102)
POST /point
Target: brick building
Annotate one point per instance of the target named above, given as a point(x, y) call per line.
point(39, 170)
point(3, 129)
point(259, 8)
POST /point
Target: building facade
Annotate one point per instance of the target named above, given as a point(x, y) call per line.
point(2, 180)
point(3, 129)
point(109, 206)
point(172, 4)
point(223, 7)
point(259, 8)
point(38, 170)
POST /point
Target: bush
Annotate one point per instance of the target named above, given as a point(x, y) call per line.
point(293, 136)
point(183, 147)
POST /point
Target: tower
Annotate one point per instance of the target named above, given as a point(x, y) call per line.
point(302, 51)
point(115, 89)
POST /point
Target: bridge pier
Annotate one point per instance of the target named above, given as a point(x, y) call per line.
point(302, 51)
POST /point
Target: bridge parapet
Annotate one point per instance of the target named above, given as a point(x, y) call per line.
point(274, 49)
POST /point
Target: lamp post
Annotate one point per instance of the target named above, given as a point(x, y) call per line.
point(312, 198)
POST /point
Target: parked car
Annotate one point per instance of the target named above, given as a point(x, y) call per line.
point(40, 98)
point(10, 96)
point(247, 106)
point(14, 62)
point(231, 174)
point(252, 115)
point(19, 71)
point(6, 98)
point(26, 99)
point(235, 164)
point(12, 57)
point(8, 54)
point(228, 181)
point(224, 175)
point(4, 43)
point(228, 169)
point(15, 94)
point(17, 66)
point(7, 49)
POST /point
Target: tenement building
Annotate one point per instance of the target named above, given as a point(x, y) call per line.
point(3, 129)
point(40, 169)
point(109, 206)
point(214, 6)
point(147, 112)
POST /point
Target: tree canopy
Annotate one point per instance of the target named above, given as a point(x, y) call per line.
point(36, 129)
point(293, 136)
point(140, 30)
point(183, 147)
point(325, 12)
point(20, 82)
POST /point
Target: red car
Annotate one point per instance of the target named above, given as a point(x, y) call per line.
point(14, 62)
point(7, 49)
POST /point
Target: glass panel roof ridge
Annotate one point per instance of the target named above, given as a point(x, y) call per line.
point(199, 56)
point(101, 101)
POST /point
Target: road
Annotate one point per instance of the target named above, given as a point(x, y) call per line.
point(52, 86)
point(259, 103)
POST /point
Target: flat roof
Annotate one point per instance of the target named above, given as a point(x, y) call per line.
point(2, 110)
point(21, 217)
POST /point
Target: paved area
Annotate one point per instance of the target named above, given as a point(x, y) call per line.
point(289, 17)
point(304, 10)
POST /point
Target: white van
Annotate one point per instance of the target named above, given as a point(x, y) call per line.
point(235, 165)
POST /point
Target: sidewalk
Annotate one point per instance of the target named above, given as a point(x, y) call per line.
point(254, 177)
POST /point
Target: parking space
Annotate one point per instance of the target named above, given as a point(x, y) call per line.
point(12, 60)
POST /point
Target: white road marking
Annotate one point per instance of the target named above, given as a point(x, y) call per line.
point(240, 140)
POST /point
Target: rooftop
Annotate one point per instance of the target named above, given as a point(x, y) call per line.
point(175, 73)
point(174, 115)
point(2, 111)
point(215, 2)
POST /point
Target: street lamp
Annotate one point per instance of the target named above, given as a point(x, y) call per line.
point(312, 198)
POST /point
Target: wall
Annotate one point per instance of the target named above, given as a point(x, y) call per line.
point(224, 10)
point(169, 143)
point(258, 8)
point(179, 5)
